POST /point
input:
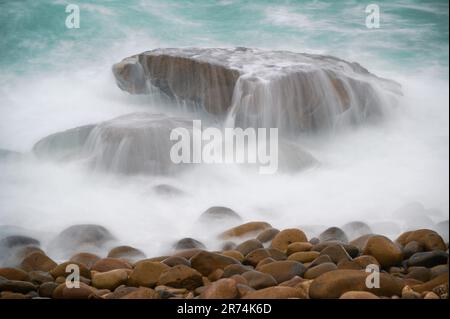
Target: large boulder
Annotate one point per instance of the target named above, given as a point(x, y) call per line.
point(291, 91)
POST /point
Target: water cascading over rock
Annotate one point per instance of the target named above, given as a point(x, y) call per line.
point(130, 144)
point(139, 143)
point(292, 91)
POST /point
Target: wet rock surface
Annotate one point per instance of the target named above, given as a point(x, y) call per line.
point(218, 81)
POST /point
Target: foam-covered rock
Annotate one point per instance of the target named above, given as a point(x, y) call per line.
point(291, 91)
point(130, 144)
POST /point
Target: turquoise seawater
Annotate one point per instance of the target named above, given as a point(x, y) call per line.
point(411, 34)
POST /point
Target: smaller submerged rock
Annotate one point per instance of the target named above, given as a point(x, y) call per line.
point(244, 230)
point(356, 229)
point(78, 238)
point(86, 259)
point(333, 233)
point(188, 243)
point(267, 235)
point(18, 240)
point(128, 253)
point(220, 214)
point(14, 248)
point(168, 190)
point(442, 228)
point(7, 155)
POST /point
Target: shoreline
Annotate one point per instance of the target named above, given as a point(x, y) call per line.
point(257, 261)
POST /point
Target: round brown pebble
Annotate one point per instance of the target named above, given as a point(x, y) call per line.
point(146, 274)
point(286, 237)
point(298, 247)
point(181, 276)
point(383, 250)
point(221, 289)
point(304, 256)
point(358, 295)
